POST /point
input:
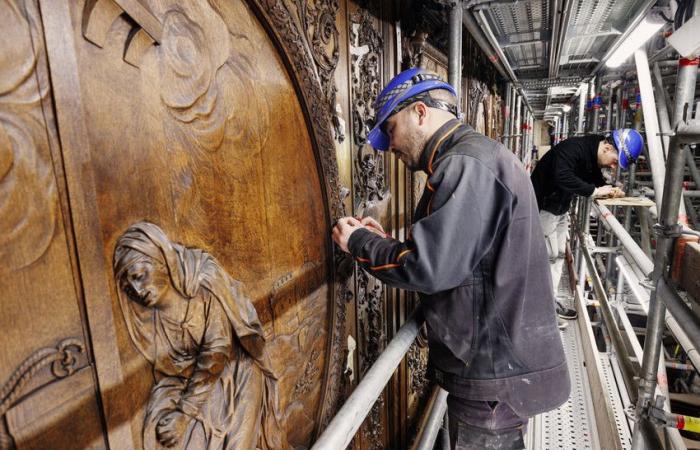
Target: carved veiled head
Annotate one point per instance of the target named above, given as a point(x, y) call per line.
point(140, 269)
point(143, 279)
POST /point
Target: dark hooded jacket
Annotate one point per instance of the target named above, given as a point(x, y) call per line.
point(569, 168)
point(477, 256)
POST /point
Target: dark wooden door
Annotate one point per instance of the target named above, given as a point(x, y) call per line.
point(184, 115)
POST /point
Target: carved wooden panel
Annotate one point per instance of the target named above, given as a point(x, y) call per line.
point(370, 197)
point(200, 127)
point(44, 357)
point(217, 123)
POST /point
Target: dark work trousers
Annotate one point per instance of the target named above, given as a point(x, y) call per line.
point(479, 425)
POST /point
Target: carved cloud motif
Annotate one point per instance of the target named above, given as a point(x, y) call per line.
point(28, 197)
point(195, 47)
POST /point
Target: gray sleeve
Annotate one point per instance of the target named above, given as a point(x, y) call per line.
point(468, 210)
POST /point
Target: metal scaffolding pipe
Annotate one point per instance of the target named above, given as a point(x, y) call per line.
point(618, 115)
point(595, 126)
point(431, 423)
point(609, 112)
point(640, 258)
point(668, 221)
point(506, 114)
point(660, 97)
point(671, 322)
point(651, 122)
point(347, 421)
point(518, 125)
point(688, 132)
point(628, 371)
point(683, 315)
point(454, 62)
point(685, 90)
point(692, 167)
point(581, 109)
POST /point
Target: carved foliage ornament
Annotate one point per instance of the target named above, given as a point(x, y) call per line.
point(318, 20)
point(365, 48)
point(62, 360)
point(369, 188)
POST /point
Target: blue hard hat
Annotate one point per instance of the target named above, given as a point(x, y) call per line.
point(629, 144)
point(392, 99)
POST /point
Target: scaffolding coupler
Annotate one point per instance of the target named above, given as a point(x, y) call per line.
point(670, 231)
point(658, 416)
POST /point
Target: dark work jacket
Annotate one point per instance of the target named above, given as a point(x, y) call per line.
point(570, 167)
point(477, 256)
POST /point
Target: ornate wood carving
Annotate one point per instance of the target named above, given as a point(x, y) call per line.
point(284, 29)
point(318, 20)
point(99, 15)
point(28, 209)
point(475, 112)
point(417, 360)
point(370, 188)
point(365, 50)
point(190, 320)
point(62, 361)
point(412, 48)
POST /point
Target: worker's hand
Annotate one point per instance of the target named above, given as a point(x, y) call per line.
point(373, 226)
point(604, 191)
point(343, 229)
point(617, 192)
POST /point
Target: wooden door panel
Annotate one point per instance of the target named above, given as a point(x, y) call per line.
point(40, 308)
point(202, 134)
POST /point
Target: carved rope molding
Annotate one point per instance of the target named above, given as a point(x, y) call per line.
point(283, 29)
point(61, 358)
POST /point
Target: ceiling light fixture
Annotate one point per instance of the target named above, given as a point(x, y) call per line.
point(642, 33)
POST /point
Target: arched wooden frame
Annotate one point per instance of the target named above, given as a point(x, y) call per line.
point(277, 20)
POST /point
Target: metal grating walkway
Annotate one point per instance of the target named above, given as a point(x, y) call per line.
point(572, 426)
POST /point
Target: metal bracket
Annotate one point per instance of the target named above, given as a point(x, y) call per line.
point(670, 231)
point(655, 412)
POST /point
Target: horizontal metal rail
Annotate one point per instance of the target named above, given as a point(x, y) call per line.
point(347, 421)
point(635, 251)
point(628, 371)
point(646, 266)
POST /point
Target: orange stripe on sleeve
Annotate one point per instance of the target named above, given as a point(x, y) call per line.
point(403, 253)
point(385, 267)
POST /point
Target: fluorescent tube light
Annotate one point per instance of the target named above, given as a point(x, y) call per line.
point(645, 30)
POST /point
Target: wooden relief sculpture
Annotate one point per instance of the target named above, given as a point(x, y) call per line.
point(370, 195)
point(214, 387)
point(28, 209)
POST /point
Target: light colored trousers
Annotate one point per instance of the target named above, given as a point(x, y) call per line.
point(556, 230)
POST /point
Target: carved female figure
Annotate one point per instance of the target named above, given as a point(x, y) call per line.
point(213, 384)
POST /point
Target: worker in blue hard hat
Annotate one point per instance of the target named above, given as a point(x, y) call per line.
point(477, 258)
point(573, 167)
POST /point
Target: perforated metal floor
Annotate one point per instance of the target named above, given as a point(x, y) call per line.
point(572, 425)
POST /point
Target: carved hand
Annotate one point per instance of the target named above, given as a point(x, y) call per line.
point(171, 427)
